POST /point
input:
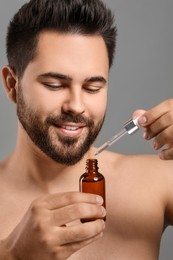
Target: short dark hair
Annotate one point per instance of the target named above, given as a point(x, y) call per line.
point(85, 17)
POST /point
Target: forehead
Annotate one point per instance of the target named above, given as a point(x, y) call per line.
point(63, 52)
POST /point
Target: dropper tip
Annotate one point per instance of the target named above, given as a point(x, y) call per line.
point(95, 153)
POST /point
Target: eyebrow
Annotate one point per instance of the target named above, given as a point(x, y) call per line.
point(96, 79)
point(55, 76)
point(66, 77)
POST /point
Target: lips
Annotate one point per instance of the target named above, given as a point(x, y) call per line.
point(70, 130)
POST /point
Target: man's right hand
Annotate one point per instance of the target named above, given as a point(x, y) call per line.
point(43, 232)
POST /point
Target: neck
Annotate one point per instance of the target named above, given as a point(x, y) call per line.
point(30, 163)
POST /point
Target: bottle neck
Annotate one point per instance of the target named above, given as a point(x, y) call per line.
point(92, 166)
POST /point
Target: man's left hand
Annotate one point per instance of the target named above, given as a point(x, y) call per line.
point(158, 124)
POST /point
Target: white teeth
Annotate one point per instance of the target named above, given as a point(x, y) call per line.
point(71, 128)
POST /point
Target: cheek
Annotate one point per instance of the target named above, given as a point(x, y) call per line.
point(98, 108)
point(44, 101)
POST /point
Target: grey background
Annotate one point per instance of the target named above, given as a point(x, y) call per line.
point(141, 77)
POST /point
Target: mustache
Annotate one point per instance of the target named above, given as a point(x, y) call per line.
point(69, 118)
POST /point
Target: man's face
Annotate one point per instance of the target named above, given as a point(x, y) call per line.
point(62, 95)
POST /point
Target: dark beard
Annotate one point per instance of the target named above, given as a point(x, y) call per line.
point(62, 149)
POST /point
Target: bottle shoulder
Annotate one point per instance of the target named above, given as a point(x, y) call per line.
point(91, 176)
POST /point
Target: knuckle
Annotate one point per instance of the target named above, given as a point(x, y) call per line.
point(169, 103)
point(40, 217)
point(151, 115)
point(71, 197)
point(160, 139)
point(87, 210)
point(166, 136)
point(84, 233)
point(35, 207)
point(39, 225)
point(46, 240)
point(77, 197)
point(80, 209)
point(73, 234)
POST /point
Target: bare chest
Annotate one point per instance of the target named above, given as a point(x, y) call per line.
point(134, 222)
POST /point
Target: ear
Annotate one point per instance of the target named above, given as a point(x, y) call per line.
point(10, 83)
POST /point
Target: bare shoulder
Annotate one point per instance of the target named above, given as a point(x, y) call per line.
point(147, 160)
point(145, 177)
point(145, 166)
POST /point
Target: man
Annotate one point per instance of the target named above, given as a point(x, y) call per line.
point(59, 54)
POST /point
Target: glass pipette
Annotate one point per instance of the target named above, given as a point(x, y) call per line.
point(130, 127)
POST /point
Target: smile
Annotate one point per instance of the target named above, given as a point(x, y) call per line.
point(70, 130)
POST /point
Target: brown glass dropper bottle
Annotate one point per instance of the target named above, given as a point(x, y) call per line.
point(92, 182)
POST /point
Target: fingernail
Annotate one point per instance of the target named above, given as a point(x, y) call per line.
point(145, 135)
point(142, 120)
point(99, 200)
point(103, 211)
point(155, 146)
point(161, 155)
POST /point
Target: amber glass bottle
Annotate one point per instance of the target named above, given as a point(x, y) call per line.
point(92, 182)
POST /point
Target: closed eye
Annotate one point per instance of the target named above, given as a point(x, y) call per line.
point(92, 89)
point(54, 86)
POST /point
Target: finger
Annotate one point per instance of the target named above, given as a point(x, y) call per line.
point(165, 137)
point(77, 246)
point(138, 113)
point(166, 154)
point(170, 145)
point(153, 114)
point(65, 251)
point(159, 125)
point(76, 211)
point(55, 201)
point(78, 233)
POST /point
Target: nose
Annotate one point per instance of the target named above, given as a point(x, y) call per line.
point(73, 103)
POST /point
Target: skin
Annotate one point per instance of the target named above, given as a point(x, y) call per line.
point(41, 202)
